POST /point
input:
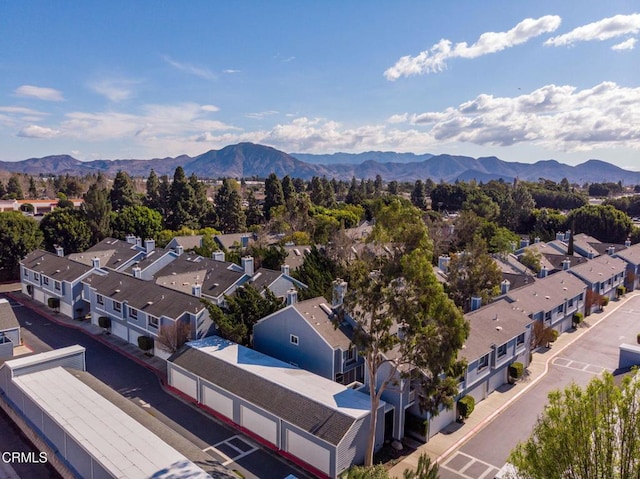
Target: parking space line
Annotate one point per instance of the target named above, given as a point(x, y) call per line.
point(579, 366)
point(227, 442)
point(471, 462)
point(217, 451)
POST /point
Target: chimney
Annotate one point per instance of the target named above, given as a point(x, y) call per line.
point(524, 242)
point(339, 290)
point(567, 235)
point(95, 262)
point(218, 255)
point(566, 264)
point(559, 236)
point(59, 251)
point(513, 246)
point(443, 263)
point(179, 250)
point(137, 272)
point(536, 240)
point(196, 290)
point(149, 245)
point(627, 242)
point(476, 302)
point(244, 241)
point(292, 297)
point(131, 239)
point(284, 269)
point(504, 286)
point(247, 265)
point(611, 250)
point(138, 242)
point(544, 271)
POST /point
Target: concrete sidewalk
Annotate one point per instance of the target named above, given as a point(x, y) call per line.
point(132, 351)
point(455, 435)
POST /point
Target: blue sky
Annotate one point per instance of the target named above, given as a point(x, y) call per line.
point(524, 81)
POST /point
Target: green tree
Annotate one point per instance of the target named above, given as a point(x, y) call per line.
point(288, 189)
point(152, 199)
point(33, 190)
point(318, 272)
point(392, 187)
point(19, 235)
point(605, 223)
point(273, 194)
point(482, 205)
point(399, 290)
point(97, 210)
point(202, 210)
point(243, 310)
point(531, 259)
point(14, 188)
point(67, 228)
point(123, 192)
point(253, 213)
point(589, 433)
point(418, 195)
point(231, 217)
point(180, 205)
point(140, 221)
point(473, 272)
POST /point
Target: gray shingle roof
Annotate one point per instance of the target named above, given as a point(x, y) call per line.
point(631, 254)
point(600, 268)
point(318, 314)
point(54, 266)
point(113, 253)
point(494, 324)
point(547, 293)
point(8, 318)
point(321, 420)
point(144, 295)
point(215, 277)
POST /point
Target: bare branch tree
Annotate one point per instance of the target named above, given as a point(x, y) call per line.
point(172, 337)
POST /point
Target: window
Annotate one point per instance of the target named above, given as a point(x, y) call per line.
point(36, 276)
point(45, 280)
point(570, 303)
point(133, 313)
point(99, 299)
point(560, 308)
point(547, 317)
point(483, 362)
point(117, 306)
point(520, 340)
point(350, 354)
point(294, 339)
point(56, 285)
point(502, 350)
point(153, 321)
point(25, 272)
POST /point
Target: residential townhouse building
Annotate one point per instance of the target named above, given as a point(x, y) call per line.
point(278, 282)
point(631, 255)
point(9, 330)
point(313, 336)
point(553, 300)
point(44, 275)
point(115, 254)
point(316, 422)
point(602, 275)
point(140, 308)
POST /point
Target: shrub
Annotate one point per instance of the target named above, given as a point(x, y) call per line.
point(145, 343)
point(621, 290)
point(605, 301)
point(104, 322)
point(466, 404)
point(53, 303)
point(638, 338)
point(554, 335)
point(577, 318)
point(516, 370)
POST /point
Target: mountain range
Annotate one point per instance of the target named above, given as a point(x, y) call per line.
point(247, 160)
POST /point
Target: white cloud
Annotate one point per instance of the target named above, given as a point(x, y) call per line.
point(115, 90)
point(554, 117)
point(628, 44)
point(435, 59)
point(209, 108)
point(40, 132)
point(195, 70)
point(398, 118)
point(230, 71)
point(41, 93)
point(18, 110)
point(261, 114)
point(604, 29)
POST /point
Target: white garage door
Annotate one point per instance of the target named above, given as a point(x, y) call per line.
point(257, 423)
point(183, 383)
point(217, 401)
point(309, 452)
point(479, 393)
point(119, 330)
point(497, 380)
point(442, 420)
